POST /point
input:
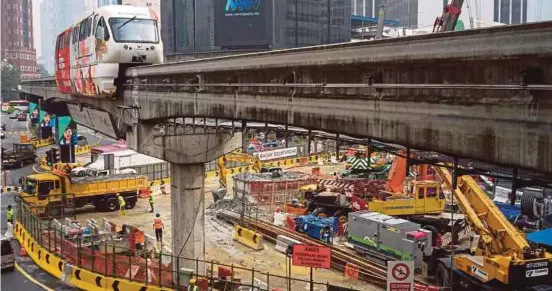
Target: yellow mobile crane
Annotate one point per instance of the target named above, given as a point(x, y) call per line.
point(503, 259)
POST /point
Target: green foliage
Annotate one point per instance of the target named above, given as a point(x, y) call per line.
point(11, 78)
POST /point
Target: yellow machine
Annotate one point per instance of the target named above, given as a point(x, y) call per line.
point(425, 198)
point(47, 190)
point(503, 259)
point(253, 161)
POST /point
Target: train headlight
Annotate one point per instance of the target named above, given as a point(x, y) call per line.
point(125, 47)
point(152, 47)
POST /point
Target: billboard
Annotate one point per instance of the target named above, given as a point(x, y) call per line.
point(241, 23)
point(34, 113)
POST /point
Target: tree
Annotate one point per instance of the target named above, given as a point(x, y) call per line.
point(43, 72)
point(11, 78)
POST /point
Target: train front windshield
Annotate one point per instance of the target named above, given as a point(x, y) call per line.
point(134, 30)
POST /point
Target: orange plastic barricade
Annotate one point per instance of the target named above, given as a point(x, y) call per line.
point(352, 271)
point(315, 171)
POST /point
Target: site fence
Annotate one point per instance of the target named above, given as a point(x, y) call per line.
point(114, 256)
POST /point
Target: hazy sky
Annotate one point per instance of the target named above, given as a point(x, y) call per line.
point(36, 27)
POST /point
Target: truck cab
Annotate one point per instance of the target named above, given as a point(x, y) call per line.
point(41, 189)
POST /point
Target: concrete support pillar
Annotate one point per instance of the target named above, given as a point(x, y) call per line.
point(309, 141)
point(244, 136)
point(337, 145)
point(188, 214)
point(187, 152)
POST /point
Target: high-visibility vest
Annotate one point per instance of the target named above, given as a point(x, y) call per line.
point(9, 214)
point(193, 288)
point(157, 223)
point(122, 201)
point(140, 238)
point(151, 198)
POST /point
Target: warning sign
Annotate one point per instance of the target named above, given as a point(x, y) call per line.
point(400, 276)
point(311, 256)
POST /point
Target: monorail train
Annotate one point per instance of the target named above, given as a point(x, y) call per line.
point(92, 54)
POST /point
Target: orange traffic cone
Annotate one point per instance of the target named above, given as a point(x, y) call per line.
point(22, 252)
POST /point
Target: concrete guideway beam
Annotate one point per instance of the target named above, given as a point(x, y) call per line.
point(506, 134)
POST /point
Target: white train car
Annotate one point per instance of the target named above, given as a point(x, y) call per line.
point(100, 47)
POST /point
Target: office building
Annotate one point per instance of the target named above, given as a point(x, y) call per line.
point(510, 11)
point(192, 26)
point(17, 37)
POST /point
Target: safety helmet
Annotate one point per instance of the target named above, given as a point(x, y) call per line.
point(157, 214)
point(192, 281)
point(117, 195)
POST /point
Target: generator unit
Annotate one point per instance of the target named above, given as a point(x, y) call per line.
point(388, 238)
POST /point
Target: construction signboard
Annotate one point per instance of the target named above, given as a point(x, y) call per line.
point(400, 276)
point(311, 256)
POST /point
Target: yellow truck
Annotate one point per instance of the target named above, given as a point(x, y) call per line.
point(56, 190)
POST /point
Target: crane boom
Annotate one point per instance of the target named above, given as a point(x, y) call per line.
point(499, 236)
point(451, 14)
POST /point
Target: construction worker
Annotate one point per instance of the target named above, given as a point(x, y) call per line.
point(9, 214)
point(151, 201)
point(158, 226)
point(193, 286)
point(122, 204)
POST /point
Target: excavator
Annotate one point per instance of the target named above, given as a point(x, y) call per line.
point(253, 161)
point(502, 260)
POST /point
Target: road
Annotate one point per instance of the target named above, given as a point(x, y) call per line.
point(14, 128)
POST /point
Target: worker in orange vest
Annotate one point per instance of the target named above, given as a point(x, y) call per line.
point(158, 226)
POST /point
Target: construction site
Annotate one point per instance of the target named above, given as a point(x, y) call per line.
point(368, 207)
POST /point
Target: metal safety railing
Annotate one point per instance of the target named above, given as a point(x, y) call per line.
point(117, 258)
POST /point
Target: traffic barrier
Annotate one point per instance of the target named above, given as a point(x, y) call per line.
point(81, 150)
point(248, 237)
point(11, 189)
point(285, 163)
point(74, 276)
point(42, 142)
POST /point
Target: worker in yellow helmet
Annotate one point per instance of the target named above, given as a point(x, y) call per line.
point(192, 286)
point(122, 204)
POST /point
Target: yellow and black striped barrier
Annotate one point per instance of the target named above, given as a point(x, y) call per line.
point(248, 237)
point(81, 150)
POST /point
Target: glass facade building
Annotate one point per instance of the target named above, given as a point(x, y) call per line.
point(189, 26)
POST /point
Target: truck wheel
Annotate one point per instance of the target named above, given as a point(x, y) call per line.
point(442, 276)
point(54, 210)
point(111, 205)
point(130, 204)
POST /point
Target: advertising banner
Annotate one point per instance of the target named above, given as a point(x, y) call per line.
point(67, 138)
point(276, 154)
point(243, 23)
point(34, 113)
point(46, 123)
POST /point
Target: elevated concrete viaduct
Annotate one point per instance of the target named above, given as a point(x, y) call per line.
point(482, 94)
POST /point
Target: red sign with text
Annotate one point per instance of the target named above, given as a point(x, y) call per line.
point(312, 256)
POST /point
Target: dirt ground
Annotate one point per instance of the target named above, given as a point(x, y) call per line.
point(219, 244)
